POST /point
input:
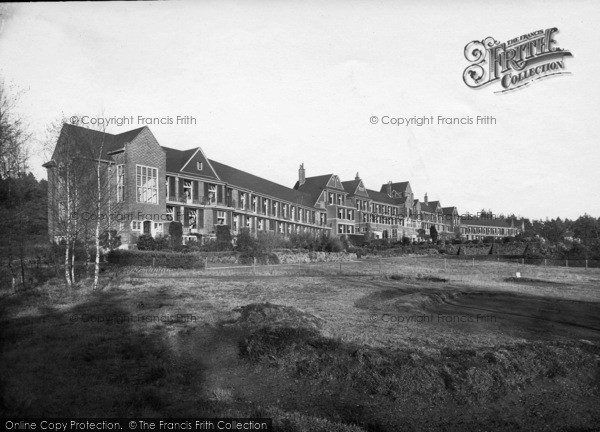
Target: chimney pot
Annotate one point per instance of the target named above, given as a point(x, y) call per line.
point(301, 175)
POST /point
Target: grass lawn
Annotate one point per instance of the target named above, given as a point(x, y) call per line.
point(398, 344)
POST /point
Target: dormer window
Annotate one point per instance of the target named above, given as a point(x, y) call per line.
point(199, 166)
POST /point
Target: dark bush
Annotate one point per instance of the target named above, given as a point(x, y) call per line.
point(154, 258)
point(176, 234)
point(145, 242)
point(332, 244)
point(357, 240)
point(224, 240)
point(245, 242)
point(161, 243)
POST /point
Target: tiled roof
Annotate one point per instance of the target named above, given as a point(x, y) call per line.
point(177, 158)
point(351, 185)
point(313, 186)
point(88, 141)
point(448, 210)
point(380, 197)
point(398, 187)
point(244, 180)
point(429, 208)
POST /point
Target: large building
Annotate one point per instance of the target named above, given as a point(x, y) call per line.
point(147, 186)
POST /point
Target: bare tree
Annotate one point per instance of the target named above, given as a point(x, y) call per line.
point(13, 134)
point(83, 193)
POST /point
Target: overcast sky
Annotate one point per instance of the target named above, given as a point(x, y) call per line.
point(275, 84)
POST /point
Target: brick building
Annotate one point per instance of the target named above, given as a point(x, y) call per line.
point(148, 186)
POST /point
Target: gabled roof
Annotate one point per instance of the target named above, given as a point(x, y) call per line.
point(430, 207)
point(87, 142)
point(177, 158)
point(244, 180)
point(398, 187)
point(180, 161)
point(380, 197)
point(352, 186)
point(449, 210)
point(313, 186)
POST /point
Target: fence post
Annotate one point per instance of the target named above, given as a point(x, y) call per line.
point(586, 264)
point(566, 263)
point(379, 265)
point(254, 266)
point(205, 263)
point(340, 267)
point(522, 261)
point(544, 262)
point(473, 262)
point(445, 264)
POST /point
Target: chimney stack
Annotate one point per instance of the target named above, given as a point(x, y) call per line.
point(357, 177)
point(426, 200)
point(389, 188)
point(301, 175)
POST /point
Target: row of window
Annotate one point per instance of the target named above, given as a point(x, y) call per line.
point(486, 230)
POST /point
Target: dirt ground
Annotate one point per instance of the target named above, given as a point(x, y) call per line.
point(400, 344)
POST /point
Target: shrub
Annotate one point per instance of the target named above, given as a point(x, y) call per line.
point(357, 240)
point(161, 243)
point(145, 242)
point(267, 241)
point(224, 241)
point(154, 258)
point(433, 234)
point(304, 241)
point(176, 234)
point(333, 244)
point(245, 242)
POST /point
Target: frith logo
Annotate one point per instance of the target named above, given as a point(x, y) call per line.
point(516, 63)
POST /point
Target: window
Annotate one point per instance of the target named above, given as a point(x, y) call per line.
point(199, 166)
point(147, 182)
point(221, 218)
point(212, 193)
point(120, 183)
point(170, 213)
point(158, 227)
point(187, 190)
point(192, 219)
point(136, 225)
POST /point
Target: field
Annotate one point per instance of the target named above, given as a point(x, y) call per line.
point(380, 345)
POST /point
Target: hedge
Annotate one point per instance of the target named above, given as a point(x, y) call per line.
point(156, 259)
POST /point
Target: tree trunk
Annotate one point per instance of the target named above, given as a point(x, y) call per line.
point(73, 261)
point(68, 229)
point(97, 267)
point(67, 261)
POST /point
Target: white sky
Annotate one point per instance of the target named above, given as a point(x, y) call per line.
point(275, 84)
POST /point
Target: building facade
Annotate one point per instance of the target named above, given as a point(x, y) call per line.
point(147, 186)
